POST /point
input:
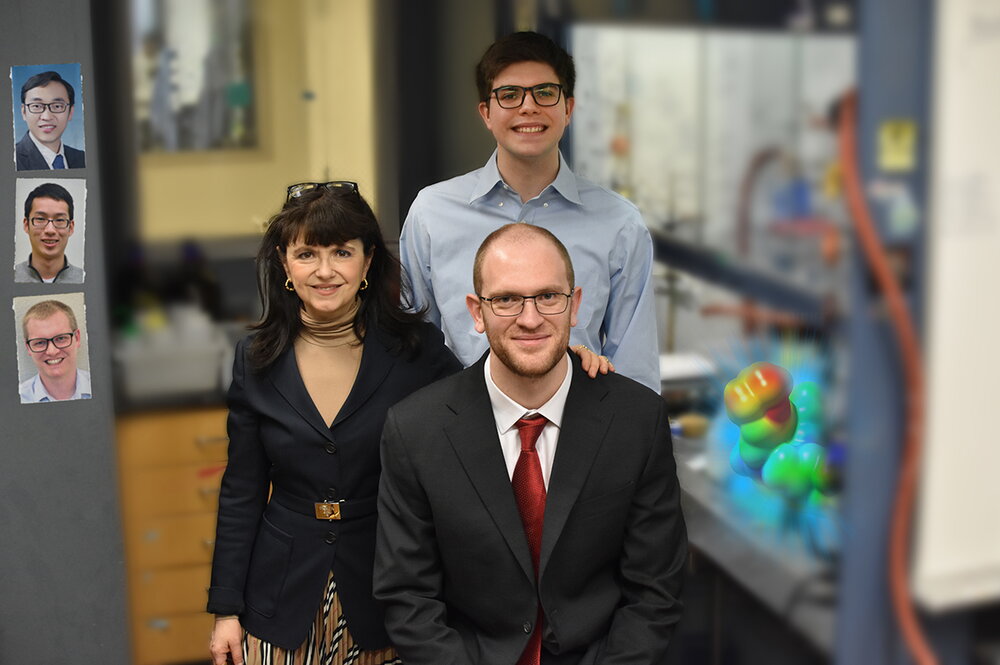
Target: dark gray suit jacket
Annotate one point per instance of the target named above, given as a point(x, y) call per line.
point(30, 159)
point(452, 563)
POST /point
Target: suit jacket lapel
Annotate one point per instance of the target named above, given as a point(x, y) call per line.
point(473, 436)
point(30, 155)
point(284, 376)
point(584, 427)
point(376, 361)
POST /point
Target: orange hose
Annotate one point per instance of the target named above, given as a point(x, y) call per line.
point(913, 375)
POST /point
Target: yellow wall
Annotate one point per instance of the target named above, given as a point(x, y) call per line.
point(325, 46)
point(340, 61)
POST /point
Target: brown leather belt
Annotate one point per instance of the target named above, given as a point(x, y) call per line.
point(343, 509)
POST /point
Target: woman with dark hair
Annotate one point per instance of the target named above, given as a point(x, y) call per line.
point(292, 571)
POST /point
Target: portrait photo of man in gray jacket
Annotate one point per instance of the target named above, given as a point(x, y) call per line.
point(49, 223)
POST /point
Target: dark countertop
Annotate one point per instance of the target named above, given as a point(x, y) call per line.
point(776, 573)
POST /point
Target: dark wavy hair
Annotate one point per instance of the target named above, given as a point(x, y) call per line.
point(327, 217)
point(524, 47)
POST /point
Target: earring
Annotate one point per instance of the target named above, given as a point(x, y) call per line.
point(364, 284)
point(288, 285)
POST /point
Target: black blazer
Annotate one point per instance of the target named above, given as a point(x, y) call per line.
point(272, 557)
point(30, 159)
point(452, 562)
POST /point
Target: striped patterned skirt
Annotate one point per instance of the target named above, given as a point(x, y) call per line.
point(328, 642)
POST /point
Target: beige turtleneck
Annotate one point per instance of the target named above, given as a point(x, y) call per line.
point(328, 355)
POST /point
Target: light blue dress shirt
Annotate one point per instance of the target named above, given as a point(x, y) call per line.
point(607, 240)
point(33, 391)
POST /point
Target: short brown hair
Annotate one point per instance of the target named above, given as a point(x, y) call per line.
point(520, 232)
point(524, 47)
point(45, 309)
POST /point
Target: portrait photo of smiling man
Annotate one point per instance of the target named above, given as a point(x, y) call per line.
point(47, 117)
point(53, 362)
point(51, 216)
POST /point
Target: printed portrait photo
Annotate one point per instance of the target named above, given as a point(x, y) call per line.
point(49, 223)
point(53, 360)
point(48, 117)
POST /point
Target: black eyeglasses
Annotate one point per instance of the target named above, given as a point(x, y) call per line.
point(294, 191)
point(545, 303)
point(41, 222)
point(53, 107)
point(41, 344)
point(512, 96)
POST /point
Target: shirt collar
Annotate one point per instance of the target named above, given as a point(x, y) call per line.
point(565, 183)
point(506, 412)
point(83, 390)
point(47, 153)
point(65, 263)
point(490, 179)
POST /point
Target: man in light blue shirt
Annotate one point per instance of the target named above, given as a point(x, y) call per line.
point(525, 85)
point(52, 338)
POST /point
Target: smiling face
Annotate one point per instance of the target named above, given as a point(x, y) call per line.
point(53, 364)
point(326, 277)
point(529, 345)
point(48, 242)
point(529, 132)
point(47, 127)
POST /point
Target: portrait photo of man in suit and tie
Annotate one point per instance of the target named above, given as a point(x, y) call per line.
point(527, 513)
point(48, 120)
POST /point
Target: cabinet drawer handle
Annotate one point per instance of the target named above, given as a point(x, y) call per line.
point(208, 542)
point(203, 441)
point(159, 624)
point(208, 491)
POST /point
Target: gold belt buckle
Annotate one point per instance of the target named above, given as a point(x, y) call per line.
point(328, 510)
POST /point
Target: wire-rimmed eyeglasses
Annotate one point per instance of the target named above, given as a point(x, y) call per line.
point(512, 96)
point(41, 344)
point(298, 189)
point(53, 107)
point(546, 303)
point(58, 222)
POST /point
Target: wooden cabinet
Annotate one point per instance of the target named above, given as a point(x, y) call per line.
point(171, 464)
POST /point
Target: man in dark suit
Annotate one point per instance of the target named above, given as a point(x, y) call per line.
point(508, 538)
point(47, 104)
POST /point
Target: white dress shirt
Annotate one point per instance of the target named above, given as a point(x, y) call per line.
point(506, 413)
point(47, 153)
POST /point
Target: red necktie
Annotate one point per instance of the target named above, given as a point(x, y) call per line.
point(529, 492)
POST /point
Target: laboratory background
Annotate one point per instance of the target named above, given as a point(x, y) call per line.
point(821, 182)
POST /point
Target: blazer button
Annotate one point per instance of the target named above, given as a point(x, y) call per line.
point(331, 493)
point(331, 537)
point(527, 626)
point(330, 448)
